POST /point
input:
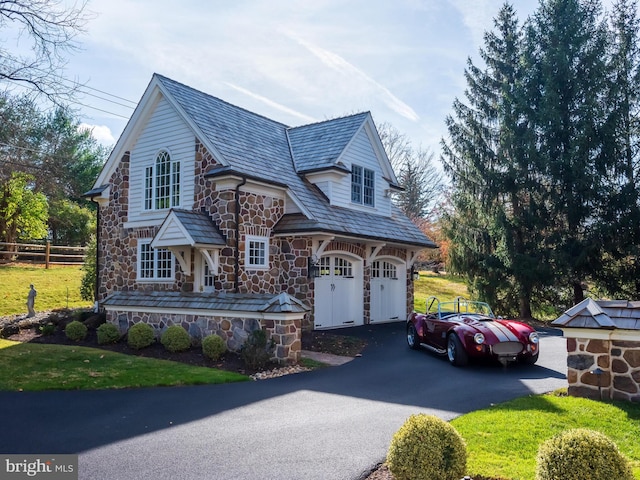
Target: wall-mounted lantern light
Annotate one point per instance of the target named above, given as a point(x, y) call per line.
point(598, 373)
point(415, 274)
point(313, 269)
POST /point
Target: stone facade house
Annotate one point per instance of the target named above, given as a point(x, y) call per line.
point(224, 221)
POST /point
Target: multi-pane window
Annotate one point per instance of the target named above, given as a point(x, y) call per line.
point(162, 183)
point(362, 185)
point(384, 270)
point(154, 263)
point(208, 278)
point(340, 267)
point(325, 266)
point(257, 252)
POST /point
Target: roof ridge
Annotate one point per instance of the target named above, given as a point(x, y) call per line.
point(329, 120)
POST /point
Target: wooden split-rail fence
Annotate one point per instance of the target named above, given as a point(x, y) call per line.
point(44, 253)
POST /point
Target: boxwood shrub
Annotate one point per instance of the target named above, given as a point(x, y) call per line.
point(213, 347)
point(76, 331)
point(427, 448)
point(581, 453)
point(176, 339)
point(140, 335)
point(108, 333)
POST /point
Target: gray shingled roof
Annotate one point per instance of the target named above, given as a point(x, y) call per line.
point(257, 146)
point(236, 302)
point(605, 314)
point(319, 145)
point(200, 226)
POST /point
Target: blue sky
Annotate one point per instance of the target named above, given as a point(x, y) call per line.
point(294, 61)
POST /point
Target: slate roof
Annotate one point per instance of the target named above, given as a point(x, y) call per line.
point(199, 226)
point(319, 145)
point(254, 145)
point(604, 314)
point(237, 302)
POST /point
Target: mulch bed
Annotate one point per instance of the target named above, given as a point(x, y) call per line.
point(315, 341)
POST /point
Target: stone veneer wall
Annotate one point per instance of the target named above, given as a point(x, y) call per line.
point(619, 360)
point(258, 215)
point(234, 330)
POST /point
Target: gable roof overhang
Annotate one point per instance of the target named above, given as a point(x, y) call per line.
point(150, 98)
point(183, 230)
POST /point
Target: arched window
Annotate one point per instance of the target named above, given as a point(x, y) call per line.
point(162, 183)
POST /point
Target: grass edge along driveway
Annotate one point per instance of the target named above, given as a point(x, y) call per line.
point(503, 440)
point(34, 367)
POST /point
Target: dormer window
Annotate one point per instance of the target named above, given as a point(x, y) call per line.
point(362, 185)
point(162, 183)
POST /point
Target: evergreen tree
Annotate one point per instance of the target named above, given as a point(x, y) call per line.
point(565, 61)
point(494, 227)
point(619, 274)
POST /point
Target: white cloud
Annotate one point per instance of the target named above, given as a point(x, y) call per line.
point(339, 64)
point(101, 133)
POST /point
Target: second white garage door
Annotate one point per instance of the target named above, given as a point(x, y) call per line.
point(388, 291)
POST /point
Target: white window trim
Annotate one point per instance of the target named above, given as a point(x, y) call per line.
point(153, 186)
point(361, 184)
point(247, 257)
point(155, 278)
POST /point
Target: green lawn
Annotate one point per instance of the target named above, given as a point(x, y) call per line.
point(445, 287)
point(502, 441)
point(32, 366)
point(57, 287)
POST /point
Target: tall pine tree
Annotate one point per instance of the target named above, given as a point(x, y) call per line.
point(565, 61)
point(619, 274)
point(494, 227)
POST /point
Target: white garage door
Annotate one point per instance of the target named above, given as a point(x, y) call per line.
point(338, 293)
point(388, 291)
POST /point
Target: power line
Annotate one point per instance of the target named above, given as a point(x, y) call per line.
point(80, 87)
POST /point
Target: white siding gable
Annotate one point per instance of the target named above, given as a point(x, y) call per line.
point(360, 152)
point(164, 129)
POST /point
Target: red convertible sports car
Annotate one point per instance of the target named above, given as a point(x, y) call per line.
point(465, 329)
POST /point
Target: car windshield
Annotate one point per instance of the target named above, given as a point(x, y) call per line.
point(458, 306)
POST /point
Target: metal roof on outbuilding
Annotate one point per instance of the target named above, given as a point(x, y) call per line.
point(217, 301)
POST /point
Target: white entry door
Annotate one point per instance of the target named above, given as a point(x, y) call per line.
point(388, 292)
point(338, 293)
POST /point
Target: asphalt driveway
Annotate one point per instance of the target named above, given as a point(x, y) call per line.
point(334, 423)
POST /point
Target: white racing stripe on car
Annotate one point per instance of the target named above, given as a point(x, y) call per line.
point(501, 332)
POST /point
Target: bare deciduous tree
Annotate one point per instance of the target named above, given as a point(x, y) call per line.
point(48, 30)
point(416, 172)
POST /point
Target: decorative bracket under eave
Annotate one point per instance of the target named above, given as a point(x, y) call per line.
point(375, 250)
point(183, 255)
point(212, 257)
point(319, 244)
point(412, 256)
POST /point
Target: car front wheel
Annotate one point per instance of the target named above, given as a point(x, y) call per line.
point(455, 351)
point(530, 360)
point(412, 337)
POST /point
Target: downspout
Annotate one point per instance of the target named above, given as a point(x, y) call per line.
point(97, 286)
point(237, 253)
